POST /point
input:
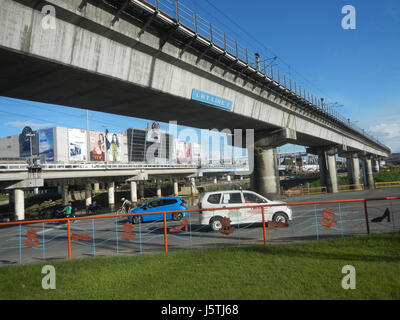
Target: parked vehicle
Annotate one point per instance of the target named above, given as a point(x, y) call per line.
point(242, 198)
point(160, 205)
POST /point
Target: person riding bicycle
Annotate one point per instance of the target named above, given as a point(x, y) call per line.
point(126, 204)
point(68, 210)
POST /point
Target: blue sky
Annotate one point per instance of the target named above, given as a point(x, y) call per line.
point(359, 69)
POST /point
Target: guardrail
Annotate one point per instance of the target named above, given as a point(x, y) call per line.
point(389, 184)
point(350, 187)
point(294, 192)
point(113, 235)
point(103, 166)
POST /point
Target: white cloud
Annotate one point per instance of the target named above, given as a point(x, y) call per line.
point(34, 126)
point(389, 134)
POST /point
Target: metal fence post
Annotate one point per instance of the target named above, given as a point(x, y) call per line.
point(177, 10)
point(69, 238)
point(116, 233)
point(165, 233)
point(20, 244)
point(93, 238)
point(263, 222)
point(43, 243)
point(366, 215)
point(316, 221)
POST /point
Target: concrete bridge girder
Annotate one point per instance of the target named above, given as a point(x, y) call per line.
point(138, 70)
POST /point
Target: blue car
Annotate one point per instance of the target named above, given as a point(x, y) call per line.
point(157, 205)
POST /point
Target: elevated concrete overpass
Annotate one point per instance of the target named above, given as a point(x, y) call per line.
point(132, 58)
point(15, 178)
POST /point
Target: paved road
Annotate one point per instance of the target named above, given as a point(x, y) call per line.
point(114, 236)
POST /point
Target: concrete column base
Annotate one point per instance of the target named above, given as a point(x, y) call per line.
point(19, 201)
point(88, 195)
point(176, 188)
point(158, 184)
point(370, 175)
point(353, 171)
point(265, 178)
point(328, 171)
point(134, 191)
point(111, 197)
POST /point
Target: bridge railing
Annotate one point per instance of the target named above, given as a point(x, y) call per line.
point(41, 240)
point(225, 44)
point(10, 167)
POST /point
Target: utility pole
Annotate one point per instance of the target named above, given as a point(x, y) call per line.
point(87, 136)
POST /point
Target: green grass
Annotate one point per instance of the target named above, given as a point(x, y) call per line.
point(387, 176)
point(309, 270)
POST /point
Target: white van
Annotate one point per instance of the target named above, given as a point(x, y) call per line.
point(240, 198)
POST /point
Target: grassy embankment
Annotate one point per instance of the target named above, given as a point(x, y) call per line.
point(309, 270)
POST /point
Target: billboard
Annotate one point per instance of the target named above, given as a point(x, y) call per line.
point(97, 146)
point(46, 145)
point(77, 145)
point(114, 147)
point(153, 132)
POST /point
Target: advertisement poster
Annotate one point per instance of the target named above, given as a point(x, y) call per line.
point(114, 151)
point(77, 145)
point(97, 146)
point(153, 132)
point(46, 145)
point(180, 151)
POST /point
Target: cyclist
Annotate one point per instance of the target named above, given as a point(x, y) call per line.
point(68, 211)
point(126, 205)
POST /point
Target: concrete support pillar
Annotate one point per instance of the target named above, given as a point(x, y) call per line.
point(192, 186)
point(353, 170)
point(215, 181)
point(176, 188)
point(158, 186)
point(134, 197)
point(370, 176)
point(96, 187)
point(88, 194)
point(19, 204)
point(35, 190)
point(111, 197)
point(328, 171)
point(228, 178)
point(64, 194)
point(265, 178)
point(376, 166)
point(141, 189)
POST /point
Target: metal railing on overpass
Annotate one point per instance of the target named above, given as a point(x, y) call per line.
point(213, 39)
point(10, 167)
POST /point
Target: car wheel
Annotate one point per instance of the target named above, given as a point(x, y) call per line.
point(136, 219)
point(177, 216)
point(280, 217)
point(216, 224)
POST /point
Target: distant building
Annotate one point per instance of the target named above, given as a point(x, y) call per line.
point(394, 158)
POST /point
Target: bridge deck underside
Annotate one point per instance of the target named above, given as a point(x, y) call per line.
point(31, 78)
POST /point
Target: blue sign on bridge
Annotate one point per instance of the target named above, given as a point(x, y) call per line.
point(212, 100)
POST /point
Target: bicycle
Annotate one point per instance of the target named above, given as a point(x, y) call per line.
point(121, 210)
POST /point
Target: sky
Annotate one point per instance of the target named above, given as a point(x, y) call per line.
point(357, 68)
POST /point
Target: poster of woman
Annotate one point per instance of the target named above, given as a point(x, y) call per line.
point(114, 151)
point(97, 146)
